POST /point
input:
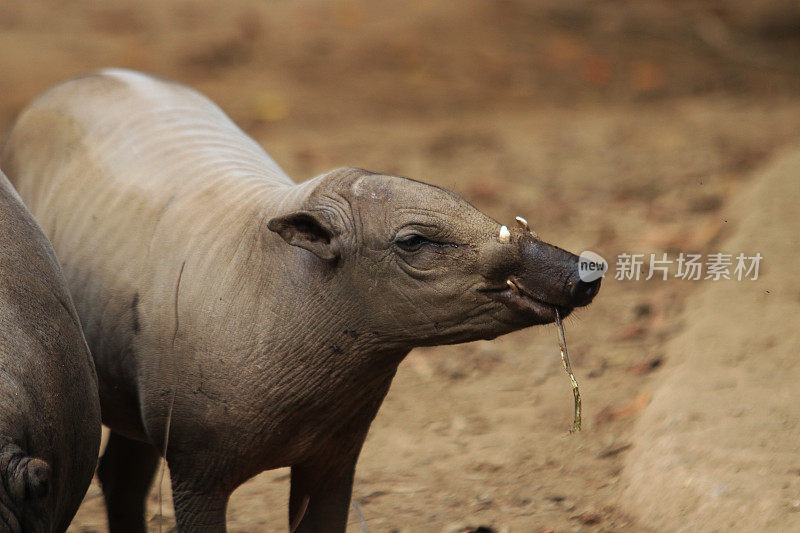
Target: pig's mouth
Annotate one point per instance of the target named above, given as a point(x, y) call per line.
point(518, 299)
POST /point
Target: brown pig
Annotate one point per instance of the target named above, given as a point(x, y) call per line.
point(49, 406)
point(239, 320)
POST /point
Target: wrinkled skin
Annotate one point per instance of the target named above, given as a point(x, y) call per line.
point(49, 409)
point(263, 318)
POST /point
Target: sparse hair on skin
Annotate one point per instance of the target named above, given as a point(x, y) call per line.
point(171, 405)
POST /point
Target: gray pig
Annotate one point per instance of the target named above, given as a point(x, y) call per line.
point(49, 408)
point(239, 321)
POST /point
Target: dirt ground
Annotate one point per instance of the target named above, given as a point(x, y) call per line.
point(611, 126)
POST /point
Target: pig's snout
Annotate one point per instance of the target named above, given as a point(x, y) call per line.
point(584, 291)
point(550, 275)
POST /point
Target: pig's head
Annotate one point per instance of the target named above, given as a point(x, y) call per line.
point(424, 266)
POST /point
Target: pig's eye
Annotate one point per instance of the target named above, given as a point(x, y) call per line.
point(412, 243)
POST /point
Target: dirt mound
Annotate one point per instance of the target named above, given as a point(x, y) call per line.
point(717, 448)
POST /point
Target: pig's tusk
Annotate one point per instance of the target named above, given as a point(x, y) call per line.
point(524, 225)
point(512, 286)
point(505, 235)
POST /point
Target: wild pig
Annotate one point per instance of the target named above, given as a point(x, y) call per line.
point(49, 405)
point(240, 320)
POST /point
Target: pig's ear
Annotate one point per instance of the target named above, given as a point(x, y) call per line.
point(310, 230)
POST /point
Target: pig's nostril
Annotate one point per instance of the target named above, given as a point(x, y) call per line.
point(582, 292)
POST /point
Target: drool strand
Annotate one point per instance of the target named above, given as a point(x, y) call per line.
point(562, 342)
